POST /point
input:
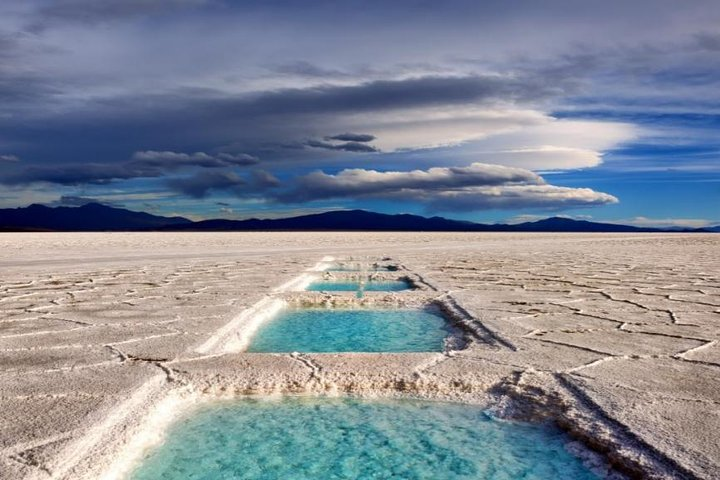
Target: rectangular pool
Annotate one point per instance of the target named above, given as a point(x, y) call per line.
point(360, 268)
point(352, 330)
point(316, 438)
point(355, 286)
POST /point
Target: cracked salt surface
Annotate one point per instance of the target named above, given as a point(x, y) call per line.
point(614, 337)
point(310, 438)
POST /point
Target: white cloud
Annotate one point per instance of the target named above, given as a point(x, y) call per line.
point(476, 187)
point(553, 144)
point(514, 196)
point(432, 127)
point(502, 135)
point(361, 182)
point(9, 158)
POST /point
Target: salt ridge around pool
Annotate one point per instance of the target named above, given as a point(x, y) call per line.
point(257, 438)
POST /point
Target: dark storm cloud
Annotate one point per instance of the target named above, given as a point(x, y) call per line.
point(355, 147)
point(22, 89)
point(307, 69)
point(188, 118)
point(53, 12)
point(708, 41)
point(84, 83)
point(166, 159)
point(145, 164)
point(257, 123)
point(263, 179)
point(200, 185)
point(75, 201)
point(22, 93)
point(380, 95)
point(8, 47)
point(352, 137)
point(203, 183)
point(77, 174)
point(394, 94)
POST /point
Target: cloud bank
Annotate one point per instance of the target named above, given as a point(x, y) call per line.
point(143, 164)
point(135, 96)
point(476, 187)
point(202, 184)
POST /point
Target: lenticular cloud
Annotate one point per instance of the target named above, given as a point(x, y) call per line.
point(478, 186)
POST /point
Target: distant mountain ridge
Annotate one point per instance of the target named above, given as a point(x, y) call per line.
point(362, 220)
point(95, 217)
point(91, 217)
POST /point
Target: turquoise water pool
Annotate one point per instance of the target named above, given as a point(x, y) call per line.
point(352, 330)
point(357, 268)
point(371, 286)
point(304, 439)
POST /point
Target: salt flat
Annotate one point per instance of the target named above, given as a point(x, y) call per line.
point(614, 336)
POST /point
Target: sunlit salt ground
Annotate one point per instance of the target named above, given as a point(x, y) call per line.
point(303, 438)
point(370, 286)
point(345, 330)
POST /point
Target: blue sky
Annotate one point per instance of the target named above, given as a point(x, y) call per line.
point(487, 111)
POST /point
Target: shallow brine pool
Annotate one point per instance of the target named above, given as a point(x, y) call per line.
point(369, 286)
point(352, 330)
point(358, 268)
point(305, 438)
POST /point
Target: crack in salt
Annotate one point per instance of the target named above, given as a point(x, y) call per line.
point(315, 369)
point(170, 374)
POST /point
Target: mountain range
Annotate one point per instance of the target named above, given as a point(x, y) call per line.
point(91, 217)
point(94, 217)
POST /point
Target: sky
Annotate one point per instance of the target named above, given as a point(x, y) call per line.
point(493, 111)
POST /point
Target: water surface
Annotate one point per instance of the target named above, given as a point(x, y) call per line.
point(358, 268)
point(352, 286)
point(352, 330)
point(306, 438)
